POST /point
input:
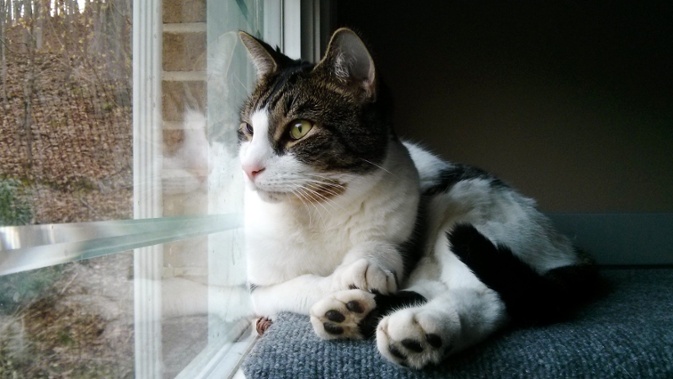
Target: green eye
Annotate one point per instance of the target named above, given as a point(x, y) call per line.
point(299, 128)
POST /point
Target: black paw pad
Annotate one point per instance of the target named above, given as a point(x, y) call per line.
point(333, 329)
point(434, 340)
point(354, 307)
point(335, 316)
point(395, 352)
point(412, 345)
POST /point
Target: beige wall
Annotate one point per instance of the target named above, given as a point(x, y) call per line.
point(571, 104)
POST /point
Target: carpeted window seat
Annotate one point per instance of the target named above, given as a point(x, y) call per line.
point(626, 333)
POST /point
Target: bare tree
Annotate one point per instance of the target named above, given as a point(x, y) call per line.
point(29, 82)
point(18, 4)
point(39, 13)
point(3, 49)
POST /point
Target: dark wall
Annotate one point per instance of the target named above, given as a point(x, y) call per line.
point(569, 101)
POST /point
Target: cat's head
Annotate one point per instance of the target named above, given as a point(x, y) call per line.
point(308, 131)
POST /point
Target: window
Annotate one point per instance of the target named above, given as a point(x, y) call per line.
point(120, 194)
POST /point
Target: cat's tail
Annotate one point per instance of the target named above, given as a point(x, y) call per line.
point(531, 298)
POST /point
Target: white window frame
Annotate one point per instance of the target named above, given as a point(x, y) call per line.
point(147, 261)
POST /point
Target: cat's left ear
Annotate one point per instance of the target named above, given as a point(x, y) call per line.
point(264, 57)
point(348, 59)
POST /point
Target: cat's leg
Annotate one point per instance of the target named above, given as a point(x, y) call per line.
point(374, 266)
point(426, 334)
point(461, 311)
point(294, 295)
point(371, 267)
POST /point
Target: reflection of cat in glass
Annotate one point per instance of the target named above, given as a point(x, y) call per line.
point(186, 169)
point(187, 176)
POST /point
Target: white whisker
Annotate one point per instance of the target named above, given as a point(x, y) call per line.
point(377, 166)
point(299, 193)
point(315, 192)
point(314, 203)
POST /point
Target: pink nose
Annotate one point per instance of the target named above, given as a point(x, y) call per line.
point(252, 171)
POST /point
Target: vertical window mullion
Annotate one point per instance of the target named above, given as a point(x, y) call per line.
point(147, 142)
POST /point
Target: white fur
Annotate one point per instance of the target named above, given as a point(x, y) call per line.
point(427, 164)
point(300, 251)
point(303, 255)
point(460, 308)
point(186, 170)
point(501, 214)
point(306, 248)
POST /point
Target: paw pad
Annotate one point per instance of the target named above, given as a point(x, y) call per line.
point(434, 340)
point(335, 316)
point(340, 315)
point(333, 329)
point(412, 345)
point(411, 338)
point(354, 306)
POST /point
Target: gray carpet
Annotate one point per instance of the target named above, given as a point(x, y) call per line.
point(627, 333)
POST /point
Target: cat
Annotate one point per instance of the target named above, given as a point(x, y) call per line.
point(373, 236)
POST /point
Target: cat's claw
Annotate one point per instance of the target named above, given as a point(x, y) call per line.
point(367, 275)
point(340, 314)
point(414, 338)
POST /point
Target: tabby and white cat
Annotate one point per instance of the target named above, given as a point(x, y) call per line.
point(371, 235)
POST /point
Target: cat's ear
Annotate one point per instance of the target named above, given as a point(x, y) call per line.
point(264, 57)
point(349, 60)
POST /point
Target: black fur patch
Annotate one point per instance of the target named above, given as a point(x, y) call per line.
point(530, 298)
point(412, 249)
point(459, 172)
point(386, 304)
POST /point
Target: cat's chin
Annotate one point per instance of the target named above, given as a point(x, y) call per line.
point(272, 197)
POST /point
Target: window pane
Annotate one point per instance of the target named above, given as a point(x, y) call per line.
point(73, 320)
point(78, 320)
point(66, 156)
point(69, 131)
point(65, 94)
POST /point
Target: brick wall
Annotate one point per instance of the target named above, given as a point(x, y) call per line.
point(184, 179)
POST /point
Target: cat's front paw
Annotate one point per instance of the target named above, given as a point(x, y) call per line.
point(415, 338)
point(366, 275)
point(340, 314)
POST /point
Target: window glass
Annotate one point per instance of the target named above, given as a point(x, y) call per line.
point(73, 320)
point(120, 195)
point(66, 157)
point(65, 93)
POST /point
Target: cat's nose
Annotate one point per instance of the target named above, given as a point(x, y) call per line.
point(252, 171)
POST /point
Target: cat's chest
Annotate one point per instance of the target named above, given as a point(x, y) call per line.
point(281, 245)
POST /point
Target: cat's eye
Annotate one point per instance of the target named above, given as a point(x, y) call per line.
point(246, 129)
point(299, 128)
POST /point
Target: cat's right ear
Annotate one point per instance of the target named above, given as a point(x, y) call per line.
point(263, 56)
point(348, 59)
